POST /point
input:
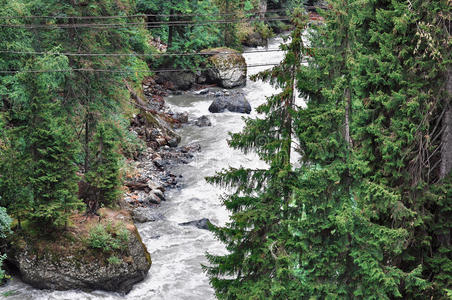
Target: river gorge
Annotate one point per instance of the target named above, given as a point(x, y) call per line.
point(179, 251)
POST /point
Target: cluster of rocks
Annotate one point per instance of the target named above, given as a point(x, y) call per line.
point(226, 67)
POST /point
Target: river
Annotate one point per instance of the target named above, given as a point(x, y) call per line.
point(177, 252)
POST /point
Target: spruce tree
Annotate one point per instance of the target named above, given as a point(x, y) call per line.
point(367, 204)
point(258, 264)
point(52, 147)
point(104, 176)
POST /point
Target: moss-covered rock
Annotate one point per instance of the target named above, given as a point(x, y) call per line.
point(66, 260)
point(228, 67)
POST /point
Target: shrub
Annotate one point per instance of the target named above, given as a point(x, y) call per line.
point(113, 260)
point(108, 237)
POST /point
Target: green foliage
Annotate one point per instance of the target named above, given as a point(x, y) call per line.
point(183, 38)
point(49, 120)
point(104, 176)
point(258, 266)
point(5, 229)
point(366, 216)
point(108, 238)
point(113, 260)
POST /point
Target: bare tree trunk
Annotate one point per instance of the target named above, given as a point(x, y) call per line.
point(262, 9)
point(170, 30)
point(446, 139)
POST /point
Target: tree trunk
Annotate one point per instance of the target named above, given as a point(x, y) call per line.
point(262, 9)
point(170, 30)
point(446, 139)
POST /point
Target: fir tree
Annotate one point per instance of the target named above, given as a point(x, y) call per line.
point(52, 148)
point(104, 177)
point(258, 264)
point(366, 212)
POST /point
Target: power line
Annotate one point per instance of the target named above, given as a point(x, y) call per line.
point(147, 24)
point(122, 71)
point(147, 15)
point(137, 54)
point(137, 15)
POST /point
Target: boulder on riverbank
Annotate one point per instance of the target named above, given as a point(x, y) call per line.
point(182, 80)
point(234, 103)
point(228, 67)
point(93, 253)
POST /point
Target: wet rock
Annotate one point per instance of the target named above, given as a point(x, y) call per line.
point(142, 215)
point(181, 117)
point(173, 142)
point(234, 103)
point(159, 194)
point(201, 224)
point(194, 147)
point(203, 121)
point(228, 67)
point(153, 199)
point(159, 163)
point(201, 92)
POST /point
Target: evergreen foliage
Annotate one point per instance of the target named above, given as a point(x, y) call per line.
point(104, 176)
point(258, 266)
point(369, 213)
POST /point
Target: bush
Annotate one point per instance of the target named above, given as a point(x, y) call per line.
point(113, 260)
point(108, 238)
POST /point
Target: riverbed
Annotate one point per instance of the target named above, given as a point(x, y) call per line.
point(179, 251)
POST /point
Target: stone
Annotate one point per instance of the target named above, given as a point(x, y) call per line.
point(254, 39)
point(234, 103)
point(180, 80)
point(153, 199)
point(203, 121)
point(181, 117)
point(201, 92)
point(58, 267)
point(159, 194)
point(201, 224)
point(228, 67)
point(144, 214)
point(173, 142)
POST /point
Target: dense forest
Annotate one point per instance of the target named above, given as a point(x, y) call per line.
point(365, 212)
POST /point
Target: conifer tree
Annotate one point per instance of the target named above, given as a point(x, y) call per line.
point(365, 224)
point(52, 147)
point(104, 176)
point(258, 264)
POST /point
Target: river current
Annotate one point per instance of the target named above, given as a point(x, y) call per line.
point(177, 252)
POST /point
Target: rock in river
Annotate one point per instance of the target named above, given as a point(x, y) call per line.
point(234, 103)
point(67, 261)
point(201, 224)
point(203, 121)
point(228, 67)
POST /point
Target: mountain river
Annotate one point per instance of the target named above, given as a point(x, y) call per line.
point(178, 251)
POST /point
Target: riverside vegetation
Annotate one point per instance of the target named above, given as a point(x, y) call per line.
point(65, 143)
point(365, 213)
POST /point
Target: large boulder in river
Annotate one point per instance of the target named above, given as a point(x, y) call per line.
point(228, 67)
point(233, 103)
point(84, 256)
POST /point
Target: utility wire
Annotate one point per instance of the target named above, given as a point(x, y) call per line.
point(147, 15)
point(147, 24)
point(122, 71)
point(137, 54)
